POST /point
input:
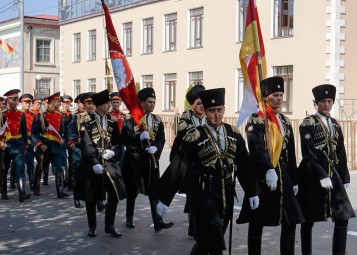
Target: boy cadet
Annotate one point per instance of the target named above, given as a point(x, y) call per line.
point(323, 173)
point(99, 169)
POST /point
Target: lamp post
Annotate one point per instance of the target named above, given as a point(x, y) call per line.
point(38, 77)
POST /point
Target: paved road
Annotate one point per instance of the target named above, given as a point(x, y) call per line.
point(47, 225)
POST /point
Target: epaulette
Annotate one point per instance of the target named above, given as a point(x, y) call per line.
point(235, 129)
point(255, 119)
point(113, 118)
point(128, 116)
point(192, 135)
point(182, 125)
point(308, 121)
point(43, 111)
point(287, 120)
point(157, 117)
point(186, 115)
point(85, 118)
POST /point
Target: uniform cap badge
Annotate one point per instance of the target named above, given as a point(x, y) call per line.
point(213, 101)
point(326, 92)
point(278, 86)
point(307, 136)
point(250, 128)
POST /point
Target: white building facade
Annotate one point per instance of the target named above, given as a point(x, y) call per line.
point(171, 44)
point(41, 55)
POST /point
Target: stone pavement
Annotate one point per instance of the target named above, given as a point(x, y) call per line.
point(47, 225)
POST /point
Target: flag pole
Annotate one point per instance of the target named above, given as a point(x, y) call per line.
point(266, 124)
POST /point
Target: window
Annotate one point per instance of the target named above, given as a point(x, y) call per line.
point(196, 27)
point(77, 47)
point(43, 88)
point(283, 18)
point(92, 47)
point(110, 81)
point(239, 90)
point(148, 36)
point(43, 50)
point(92, 85)
point(76, 88)
point(242, 18)
point(147, 81)
point(196, 78)
point(287, 73)
point(127, 39)
point(170, 31)
point(170, 92)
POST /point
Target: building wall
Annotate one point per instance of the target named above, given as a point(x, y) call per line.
point(308, 51)
point(40, 28)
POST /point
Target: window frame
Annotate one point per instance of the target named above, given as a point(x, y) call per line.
point(170, 92)
point(170, 32)
point(287, 73)
point(280, 12)
point(128, 39)
point(76, 47)
point(195, 81)
point(146, 81)
point(90, 85)
point(42, 82)
point(148, 36)
point(196, 28)
point(92, 45)
point(242, 11)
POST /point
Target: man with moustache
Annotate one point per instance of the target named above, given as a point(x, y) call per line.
point(214, 148)
point(99, 169)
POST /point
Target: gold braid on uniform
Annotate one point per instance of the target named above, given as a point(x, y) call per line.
point(308, 121)
point(186, 115)
point(182, 125)
point(255, 119)
point(192, 135)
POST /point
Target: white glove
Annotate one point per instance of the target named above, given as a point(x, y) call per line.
point(346, 185)
point(326, 183)
point(98, 169)
point(271, 179)
point(161, 209)
point(295, 189)
point(152, 149)
point(254, 202)
point(144, 135)
point(108, 154)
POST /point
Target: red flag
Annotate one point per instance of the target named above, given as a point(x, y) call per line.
point(254, 69)
point(123, 76)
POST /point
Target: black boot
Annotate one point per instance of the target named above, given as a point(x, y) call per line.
point(339, 241)
point(110, 211)
point(4, 187)
point(77, 202)
point(64, 177)
point(31, 179)
point(130, 205)
point(287, 245)
point(254, 245)
point(21, 188)
point(37, 180)
point(45, 175)
point(92, 219)
point(159, 224)
point(306, 241)
point(59, 186)
point(12, 178)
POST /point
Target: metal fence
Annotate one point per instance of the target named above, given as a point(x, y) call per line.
point(349, 129)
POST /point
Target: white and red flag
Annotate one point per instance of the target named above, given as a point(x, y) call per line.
point(124, 78)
